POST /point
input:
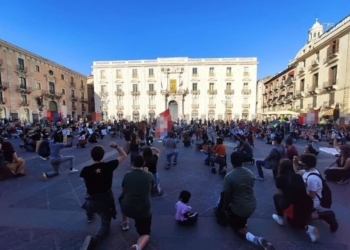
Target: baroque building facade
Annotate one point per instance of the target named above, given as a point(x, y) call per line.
point(34, 88)
point(206, 88)
point(317, 79)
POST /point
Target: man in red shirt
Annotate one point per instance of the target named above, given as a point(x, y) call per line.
point(291, 149)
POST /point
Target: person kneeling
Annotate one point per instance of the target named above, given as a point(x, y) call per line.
point(183, 211)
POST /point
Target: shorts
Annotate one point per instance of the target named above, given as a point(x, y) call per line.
point(237, 222)
point(143, 225)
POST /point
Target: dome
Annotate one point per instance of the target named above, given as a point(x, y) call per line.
point(316, 25)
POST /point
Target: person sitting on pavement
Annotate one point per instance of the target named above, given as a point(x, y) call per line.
point(12, 161)
point(44, 147)
point(305, 165)
point(82, 139)
point(341, 172)
point(237, 201)
point(98, 179)
point(56, 159)
point(291, 149)
point(292, 200)
point(183, 211)
point(272, 160)
point(135, 201)
point(219, 154)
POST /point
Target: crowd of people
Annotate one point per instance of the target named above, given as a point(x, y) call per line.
point(302, 192)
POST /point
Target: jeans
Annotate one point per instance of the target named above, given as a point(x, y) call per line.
point(57, 162)
point(219, 160)
point(260, 165)
point(169, 156)
point(156, 178)
point(105, 225)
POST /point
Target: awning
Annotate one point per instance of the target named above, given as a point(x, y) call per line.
point(328, 112)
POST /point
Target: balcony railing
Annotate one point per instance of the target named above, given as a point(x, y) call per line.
point(2, 100)
point(73, 98)
point(24, 103)
point(135, 76)
point(313, 90)
point(21, 68)
point(83, 100)
point(164, 92)
point(151, 92)
point(195, 106)
point(212, 105)
point(330, 85)
point(195, 92)
point(24, 89)
point(119, 106)
point(229, 91)
point(246, 91)
point(229, 105)
point(194, 75)
point(119, 93)
point(314, 65)
point(135, 92)
point(245, 105)
point(212, 92)
point(4, 85)
point(246, 74)
point(212, 74)
point(331, 57)
point(150, 76)
point(135, 106)
point(151, 106)
point(103, 93)
point(301, 70)
point(72, 84)
point(229, 74)
point(82, 87)
point(300, 93)
point(328, 104)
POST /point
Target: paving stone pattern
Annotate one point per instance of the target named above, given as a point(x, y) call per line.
point(46, 215)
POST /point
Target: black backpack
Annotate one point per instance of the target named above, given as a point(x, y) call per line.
point(326, 200)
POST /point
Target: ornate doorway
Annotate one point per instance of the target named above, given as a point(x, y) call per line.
point(174, 110)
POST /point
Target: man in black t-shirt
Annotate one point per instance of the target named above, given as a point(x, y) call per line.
point(98, 179)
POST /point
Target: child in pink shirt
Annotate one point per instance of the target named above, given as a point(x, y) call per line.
point(183, 211)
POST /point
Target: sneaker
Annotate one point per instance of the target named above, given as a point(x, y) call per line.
point(135, 247)
point(43, 158)
point(44, 177)
point(313, 233)
point(343, 181)
point(258, 177)
point(329, 217)
point(194, 215)
point(260, 241)
point(124, 225)
point(73, 171)
point(89, 243)
point(90, 218)
point(278, 219)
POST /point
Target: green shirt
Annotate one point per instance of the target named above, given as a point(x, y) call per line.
point(239, 183)
point(137, 186)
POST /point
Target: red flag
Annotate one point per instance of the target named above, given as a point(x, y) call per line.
point(163, 123)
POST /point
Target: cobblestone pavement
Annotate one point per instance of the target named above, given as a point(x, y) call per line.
point(46, 215)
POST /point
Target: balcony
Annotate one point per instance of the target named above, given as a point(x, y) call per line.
point(212, 92)
point(82, 87)
point(313, 90)
point(301, 70)
point(246, 105)
point(164, 92)
point(300, 93)
point(135, 106)
point(314, 65)
point(83, 100)
point(135, 76)
point(246, 74)
point(229, 74)
point(195, 92)
point(2, 100)
point(212, 74)
point(229, 91)
point(151, 92)
point(194, 75)
point(74, 107)
point(103, 93)
point(119, 107)
point(181, 92)
point(72, 84)
point(229, 105)
point(135, 93)
point(51, 94)
point(24, 89)
point(330, 85)
point(328, 104)
point(21, 68)
point(4, 85)
point(288, 99)
point(119, 93)
point(331, 57)
point(195, 106)
point(151, 76)
point(270, 89)
point(282, 93)
point(73, 98)
point(24, 103)
point(151, 106)
point(275, 87)
point(212, 105)
point(246, 91)
point(290, 90)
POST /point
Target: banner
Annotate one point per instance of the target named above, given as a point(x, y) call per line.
point(310, 118)
point(164, 124)
point(173, 87)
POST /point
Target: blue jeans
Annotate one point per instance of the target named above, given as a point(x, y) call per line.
point(156, 178)
point(260, 165)
point(169, 156)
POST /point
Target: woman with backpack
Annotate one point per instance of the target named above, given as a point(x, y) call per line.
point(317, 189)
point(292, 201)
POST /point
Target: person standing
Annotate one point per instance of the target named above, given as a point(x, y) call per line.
point(135, 201)
point(170, 149)
point(98, 179)
point(238, 201)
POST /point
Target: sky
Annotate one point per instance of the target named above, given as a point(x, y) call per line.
point(75, 33)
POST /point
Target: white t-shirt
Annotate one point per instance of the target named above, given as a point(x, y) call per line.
point(314, 183)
